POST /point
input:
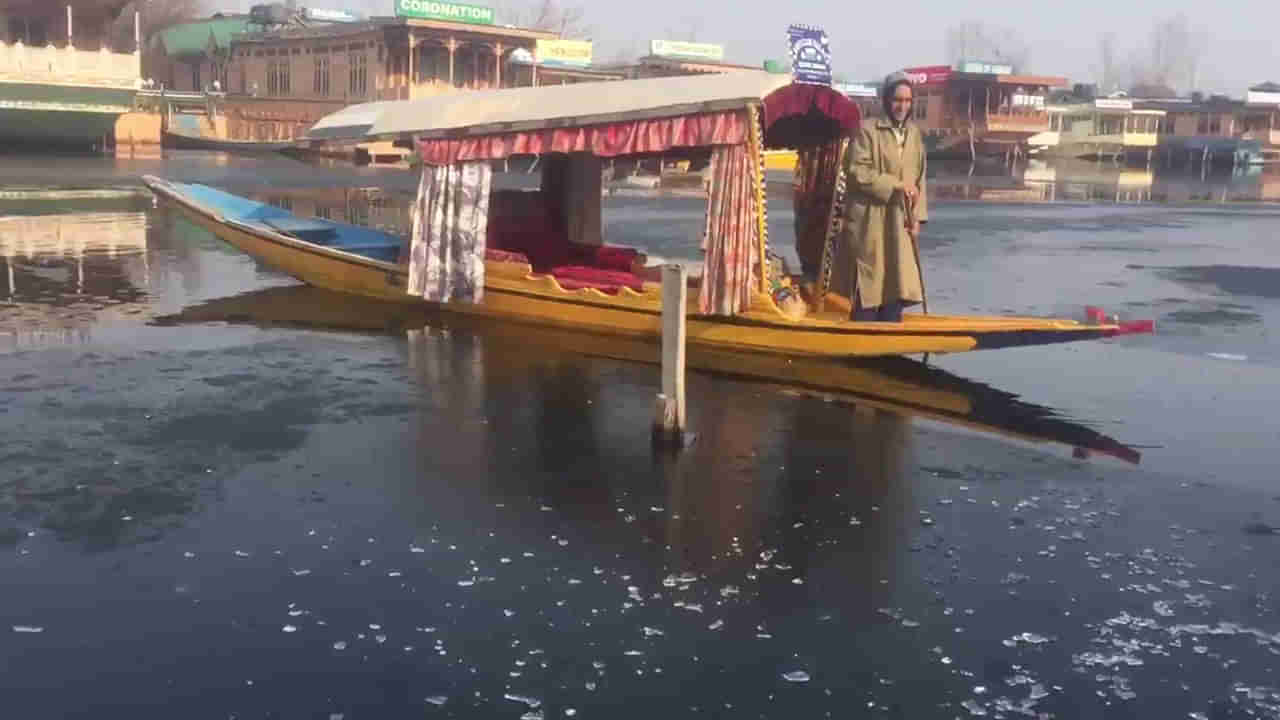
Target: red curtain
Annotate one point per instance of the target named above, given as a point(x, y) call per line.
point(816, 171)
point(625, 138)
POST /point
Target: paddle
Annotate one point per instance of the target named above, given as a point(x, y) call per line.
point(909, 205)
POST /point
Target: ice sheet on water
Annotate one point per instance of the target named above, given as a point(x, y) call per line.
point(716, 625)
point(532, 715)
point(1026, 638)
point(796, 676)
point(653, 632)
point(27, 629)
point(340, 645)
point(289, 628)
point(437, 700)
point(973, 707)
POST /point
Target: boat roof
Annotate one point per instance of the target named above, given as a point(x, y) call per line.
point(531, 108)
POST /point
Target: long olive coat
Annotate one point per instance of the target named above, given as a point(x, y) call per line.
point(876, 243)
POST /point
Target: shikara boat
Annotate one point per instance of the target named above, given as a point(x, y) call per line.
point(544, 261)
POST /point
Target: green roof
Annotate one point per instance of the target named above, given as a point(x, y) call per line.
point(193, 38)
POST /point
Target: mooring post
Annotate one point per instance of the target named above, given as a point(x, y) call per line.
point(669, 411)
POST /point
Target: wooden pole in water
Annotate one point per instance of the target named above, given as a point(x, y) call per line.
point(669, 410)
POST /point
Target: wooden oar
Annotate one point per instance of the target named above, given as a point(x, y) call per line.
point(909, 205)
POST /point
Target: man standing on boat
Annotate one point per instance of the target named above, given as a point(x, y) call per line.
point(885, 172)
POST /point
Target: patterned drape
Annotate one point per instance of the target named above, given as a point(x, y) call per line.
point(730, 239)
point(816, 171)
point(632, 137)
point(450, 222)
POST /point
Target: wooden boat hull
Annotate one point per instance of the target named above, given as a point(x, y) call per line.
point(182, 141)
point(513, 291)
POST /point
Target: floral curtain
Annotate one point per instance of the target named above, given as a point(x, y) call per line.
point(633, 137)
point(450, 222)
point(730, 242)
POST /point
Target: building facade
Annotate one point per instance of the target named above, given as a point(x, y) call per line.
point(61, 81)
point(281, 82)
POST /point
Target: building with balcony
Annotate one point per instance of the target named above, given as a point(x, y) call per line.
point(992, 112)
point(61, 82)
point(282, 81)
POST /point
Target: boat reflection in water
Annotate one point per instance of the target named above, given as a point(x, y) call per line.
point(897, 385)
point(65, 271)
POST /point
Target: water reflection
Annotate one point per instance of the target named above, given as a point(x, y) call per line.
point(1080, 181)
point(65, 271)
point(899, 385)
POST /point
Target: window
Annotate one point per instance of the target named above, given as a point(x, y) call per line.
point(920, 107)
point(322, 75)
point(359, 72)
point(278, 77)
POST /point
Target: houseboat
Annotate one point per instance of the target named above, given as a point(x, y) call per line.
point(1109, 128)
point(61, 80)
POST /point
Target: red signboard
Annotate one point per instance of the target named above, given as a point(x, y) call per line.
point(929, 75)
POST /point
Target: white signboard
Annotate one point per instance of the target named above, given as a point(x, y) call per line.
point(1263, 98)
point(691, 50)
point(1113, 104)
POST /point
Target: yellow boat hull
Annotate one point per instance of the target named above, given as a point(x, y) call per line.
point(514, 292)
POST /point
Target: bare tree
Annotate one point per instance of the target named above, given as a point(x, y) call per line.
point(1110, 66)
point(568, 21)
point(975, 41)
point(1174, 57)
point(154, 16)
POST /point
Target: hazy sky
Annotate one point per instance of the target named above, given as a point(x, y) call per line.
point(1243, 36)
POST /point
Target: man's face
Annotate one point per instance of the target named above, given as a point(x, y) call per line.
point(900, 103)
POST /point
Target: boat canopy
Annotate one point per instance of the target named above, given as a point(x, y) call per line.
point(582, 105)
point(725, 120)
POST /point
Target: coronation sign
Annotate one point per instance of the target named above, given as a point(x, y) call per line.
point(451, 12)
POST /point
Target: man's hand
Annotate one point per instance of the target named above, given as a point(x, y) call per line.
point(911, 192)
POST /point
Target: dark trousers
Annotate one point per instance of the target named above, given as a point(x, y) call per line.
point(888, 312)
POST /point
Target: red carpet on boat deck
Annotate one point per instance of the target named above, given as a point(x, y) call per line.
point(574, 277)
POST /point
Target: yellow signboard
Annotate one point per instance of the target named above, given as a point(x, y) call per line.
point(563, 52)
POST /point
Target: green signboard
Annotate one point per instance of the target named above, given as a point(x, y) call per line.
point(450, 12)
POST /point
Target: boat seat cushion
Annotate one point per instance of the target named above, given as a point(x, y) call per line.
point(520, 222)
point(574, 277)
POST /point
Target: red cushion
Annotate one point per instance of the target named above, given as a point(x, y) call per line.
point(607, 280)
point(603, 256)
